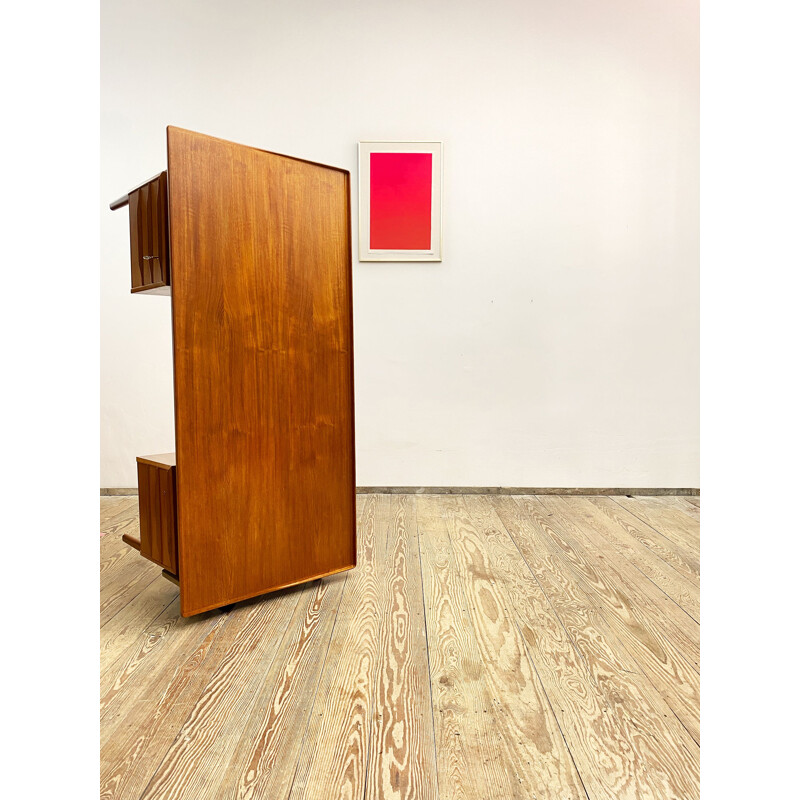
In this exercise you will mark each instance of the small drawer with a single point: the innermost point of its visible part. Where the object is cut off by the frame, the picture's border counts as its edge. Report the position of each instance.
(157, 510)
(149, 222)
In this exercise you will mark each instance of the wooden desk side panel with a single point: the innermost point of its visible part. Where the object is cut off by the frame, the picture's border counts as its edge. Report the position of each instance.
(263, 359)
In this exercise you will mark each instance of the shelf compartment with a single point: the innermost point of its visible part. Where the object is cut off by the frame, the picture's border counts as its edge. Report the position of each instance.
(158, 510)
(148, 211)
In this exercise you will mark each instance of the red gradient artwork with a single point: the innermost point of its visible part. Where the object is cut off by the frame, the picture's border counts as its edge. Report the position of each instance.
(400, 201)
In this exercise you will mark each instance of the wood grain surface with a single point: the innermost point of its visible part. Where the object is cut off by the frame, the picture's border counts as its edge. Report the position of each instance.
(653, 732)
(484, 648)
(119, 506)
(645, 546)
(263, 363)
(272, 738)
(333, 760)
(157, 512)
(654, 603)
(581, 704)
(470, 764)
(694, 502)
(402, 762)
(635, 622)
(536, 753)
(681, 528)
(149, 235)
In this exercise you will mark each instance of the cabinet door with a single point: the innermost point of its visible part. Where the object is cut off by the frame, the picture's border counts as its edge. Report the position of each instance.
(262, 333)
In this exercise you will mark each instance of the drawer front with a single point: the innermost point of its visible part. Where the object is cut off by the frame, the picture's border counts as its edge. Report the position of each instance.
(157, 515)
(149, 221)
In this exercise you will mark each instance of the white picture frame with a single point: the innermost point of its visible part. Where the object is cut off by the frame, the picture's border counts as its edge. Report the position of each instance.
(365, 251)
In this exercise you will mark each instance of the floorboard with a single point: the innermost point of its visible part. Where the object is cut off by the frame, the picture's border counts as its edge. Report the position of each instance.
(486, 647)
(628, 558)
(470, 765)
(614, 758)
(671, 522)
(535, 748)
(626, 602)
(335, 751)
(111, 507)
(401, 756)
(695, 503)
(655, 735)
(652, 552)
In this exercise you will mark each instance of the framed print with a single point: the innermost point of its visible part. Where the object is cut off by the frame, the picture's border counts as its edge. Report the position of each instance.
(400, 201)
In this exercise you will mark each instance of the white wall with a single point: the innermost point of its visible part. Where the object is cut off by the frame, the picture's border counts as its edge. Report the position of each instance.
(557, 343)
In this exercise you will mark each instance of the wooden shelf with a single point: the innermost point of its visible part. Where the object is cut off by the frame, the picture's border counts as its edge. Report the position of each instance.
(163, 460)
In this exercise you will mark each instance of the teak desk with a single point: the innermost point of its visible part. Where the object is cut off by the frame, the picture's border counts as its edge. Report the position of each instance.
(254, 249)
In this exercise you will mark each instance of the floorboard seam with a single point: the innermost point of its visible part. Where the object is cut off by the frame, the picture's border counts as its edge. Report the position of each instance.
(180, 728)
(642, 672)
(373, 698)
(316, 688)
(125, 605)
(660, 588)
(680, 549)
(602, 578)
(144, 629)
(552, 608)
(550, 705)
(645, 522)
(469, 609)
(652, 618)
(513, 618)
(206, 684)
(427, 649)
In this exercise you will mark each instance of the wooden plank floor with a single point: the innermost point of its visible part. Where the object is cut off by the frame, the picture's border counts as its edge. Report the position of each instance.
(485, 647)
